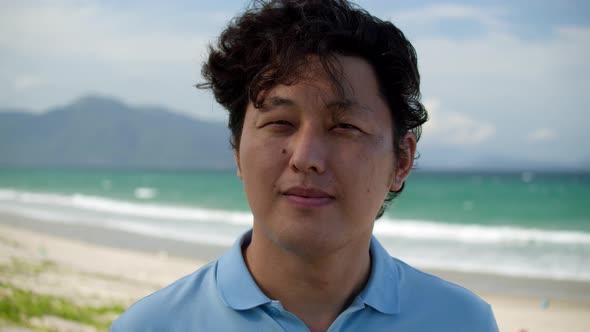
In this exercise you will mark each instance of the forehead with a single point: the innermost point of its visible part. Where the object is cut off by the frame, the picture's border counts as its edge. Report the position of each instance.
(350, 82)
(343, 74)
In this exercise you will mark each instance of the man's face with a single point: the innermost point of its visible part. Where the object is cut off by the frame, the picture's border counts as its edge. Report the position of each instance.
(316, 164)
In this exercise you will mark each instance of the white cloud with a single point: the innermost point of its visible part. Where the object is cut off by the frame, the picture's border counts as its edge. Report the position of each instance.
(499, 54)
(508, 81)
(542, 135)
(85, 30)
(147, 53)
(25, 82)
(448, 11)
(455, 128)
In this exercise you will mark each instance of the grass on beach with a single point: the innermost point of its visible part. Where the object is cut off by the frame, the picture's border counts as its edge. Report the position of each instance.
(44, 312)
(21, 306)
(55, 284)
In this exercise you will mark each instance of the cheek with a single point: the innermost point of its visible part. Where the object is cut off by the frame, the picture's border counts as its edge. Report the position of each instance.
(262, 161)
(374, 170)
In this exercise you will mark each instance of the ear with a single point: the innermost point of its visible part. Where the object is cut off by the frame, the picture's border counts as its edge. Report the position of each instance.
(404, 162)
(237, 159)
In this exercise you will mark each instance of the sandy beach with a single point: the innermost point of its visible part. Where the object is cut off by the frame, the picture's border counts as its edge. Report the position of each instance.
(65, 277)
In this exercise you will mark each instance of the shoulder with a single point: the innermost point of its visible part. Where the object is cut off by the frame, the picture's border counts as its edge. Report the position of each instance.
(422, 285)
(442, 300)
(160, 310)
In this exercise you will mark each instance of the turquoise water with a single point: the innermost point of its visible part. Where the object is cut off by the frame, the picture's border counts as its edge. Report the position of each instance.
(212, 189)
(527, 224)
(547, 201)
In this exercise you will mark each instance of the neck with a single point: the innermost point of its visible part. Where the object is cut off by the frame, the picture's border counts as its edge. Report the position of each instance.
(320, 286)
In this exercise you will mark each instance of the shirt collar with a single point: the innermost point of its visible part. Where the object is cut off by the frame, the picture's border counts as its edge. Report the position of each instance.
(239, 291)
(235, 283)
(382, 290)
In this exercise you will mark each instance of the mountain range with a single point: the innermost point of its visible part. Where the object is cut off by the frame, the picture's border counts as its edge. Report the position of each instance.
(102, 132)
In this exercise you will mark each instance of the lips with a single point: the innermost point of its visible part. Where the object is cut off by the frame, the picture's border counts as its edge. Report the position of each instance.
(308, 197)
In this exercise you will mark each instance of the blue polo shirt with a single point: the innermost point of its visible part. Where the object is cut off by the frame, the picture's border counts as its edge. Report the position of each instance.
(222, 296)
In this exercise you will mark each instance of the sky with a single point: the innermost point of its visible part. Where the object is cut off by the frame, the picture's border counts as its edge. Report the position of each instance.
(506, 83)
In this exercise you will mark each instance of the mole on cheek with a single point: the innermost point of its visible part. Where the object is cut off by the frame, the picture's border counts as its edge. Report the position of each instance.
(284, 151)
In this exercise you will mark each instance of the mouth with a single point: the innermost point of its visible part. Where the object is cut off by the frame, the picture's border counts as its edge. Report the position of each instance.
(308, 197)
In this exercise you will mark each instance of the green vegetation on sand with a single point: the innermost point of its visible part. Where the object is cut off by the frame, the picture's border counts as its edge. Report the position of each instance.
(19, 306)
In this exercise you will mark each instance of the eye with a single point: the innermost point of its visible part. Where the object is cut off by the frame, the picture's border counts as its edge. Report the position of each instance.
(347, 126)
(280, 123)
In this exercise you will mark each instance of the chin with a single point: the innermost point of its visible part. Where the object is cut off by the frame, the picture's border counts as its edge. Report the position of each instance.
(306, 242)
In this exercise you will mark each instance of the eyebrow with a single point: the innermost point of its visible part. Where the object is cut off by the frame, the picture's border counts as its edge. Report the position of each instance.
(340, 105)
(347, 105)
(276, 101)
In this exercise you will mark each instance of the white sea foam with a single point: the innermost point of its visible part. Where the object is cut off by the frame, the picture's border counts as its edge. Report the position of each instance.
(425, 230)
(514, 269)
(145, 193)
(408, 229)
(107, 205)
(504, 250)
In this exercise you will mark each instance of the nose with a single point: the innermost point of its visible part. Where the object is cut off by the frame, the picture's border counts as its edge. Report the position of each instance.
(309, 150)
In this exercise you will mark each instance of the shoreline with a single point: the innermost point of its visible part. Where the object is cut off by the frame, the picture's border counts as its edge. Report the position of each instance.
(105, 267)
(116, 238)
(120, 239)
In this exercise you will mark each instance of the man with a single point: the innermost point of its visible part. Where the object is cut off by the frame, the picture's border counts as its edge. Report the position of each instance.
(325, 115)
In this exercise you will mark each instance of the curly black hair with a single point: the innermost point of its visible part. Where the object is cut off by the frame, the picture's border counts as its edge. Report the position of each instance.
(266, 45)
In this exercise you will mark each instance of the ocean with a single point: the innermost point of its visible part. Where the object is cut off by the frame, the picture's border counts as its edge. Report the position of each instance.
(515, 224)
